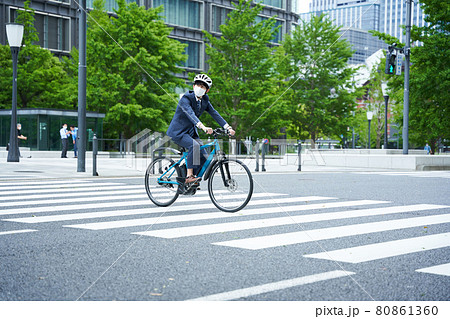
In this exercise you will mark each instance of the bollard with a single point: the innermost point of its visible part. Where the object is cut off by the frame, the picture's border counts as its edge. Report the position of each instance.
(94, 155)
(299, 156)
(257, 155)
(263, 156)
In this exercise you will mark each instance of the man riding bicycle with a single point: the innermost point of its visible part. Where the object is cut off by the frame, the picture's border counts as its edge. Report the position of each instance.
(184, 124)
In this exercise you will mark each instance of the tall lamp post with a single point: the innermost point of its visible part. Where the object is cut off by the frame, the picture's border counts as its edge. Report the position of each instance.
(369, 118)
(386, 101)
(14, 32)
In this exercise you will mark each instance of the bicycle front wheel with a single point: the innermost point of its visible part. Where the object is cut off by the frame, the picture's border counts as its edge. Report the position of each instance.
(230, 186)
(160, 181)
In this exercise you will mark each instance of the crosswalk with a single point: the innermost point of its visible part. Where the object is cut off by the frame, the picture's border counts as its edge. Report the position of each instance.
(418, 174)
(101, 205)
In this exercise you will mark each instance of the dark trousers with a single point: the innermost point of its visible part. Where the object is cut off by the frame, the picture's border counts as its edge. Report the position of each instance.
(196, 157)
(75, 148)
(64, 147)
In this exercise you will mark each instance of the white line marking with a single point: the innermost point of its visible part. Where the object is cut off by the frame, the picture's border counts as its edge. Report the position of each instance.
(141, 195)
(333, 232)
(74, 196)
(68, 186)
(65, 217)
(204, 216)
(443, 269)
(284, 284)
(387, 249)
(77, 207)
(135, 194)
(17, 231)
(44, 183)
(271, 222)
(68, 190)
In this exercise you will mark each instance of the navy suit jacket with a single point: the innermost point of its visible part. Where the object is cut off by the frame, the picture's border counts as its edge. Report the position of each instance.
(187, 116)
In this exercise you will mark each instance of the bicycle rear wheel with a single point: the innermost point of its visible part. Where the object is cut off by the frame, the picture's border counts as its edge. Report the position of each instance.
(230, 186)
(160, 189)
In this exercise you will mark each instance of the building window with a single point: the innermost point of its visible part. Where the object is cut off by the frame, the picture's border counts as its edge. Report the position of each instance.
(193, 53)
(219, 17)
(53, 32)
(278, 36)
(110, 5)
(274, 3)
(180, 12)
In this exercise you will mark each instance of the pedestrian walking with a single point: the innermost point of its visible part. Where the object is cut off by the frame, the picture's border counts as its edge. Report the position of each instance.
(19, 136)
(74, 132)
(64, 132)
(428, 149)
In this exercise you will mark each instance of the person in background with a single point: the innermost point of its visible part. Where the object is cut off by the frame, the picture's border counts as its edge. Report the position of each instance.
(428, 149)
(20, 136)
(74, 132)
(64, 132)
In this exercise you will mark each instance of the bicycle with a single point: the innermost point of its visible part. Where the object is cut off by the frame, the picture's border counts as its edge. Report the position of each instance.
(230, 183)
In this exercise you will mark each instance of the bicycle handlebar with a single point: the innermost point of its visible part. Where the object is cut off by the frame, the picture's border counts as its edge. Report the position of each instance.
(221, 132)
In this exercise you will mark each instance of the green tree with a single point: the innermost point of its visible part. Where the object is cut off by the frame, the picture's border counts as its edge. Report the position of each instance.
(321, 95)
(375, 102)
(41, 79)
(242, 67)
(430, 77)
(429, 113)
(131, 67)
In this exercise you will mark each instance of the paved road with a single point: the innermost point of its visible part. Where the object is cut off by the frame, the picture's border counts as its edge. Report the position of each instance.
(303, 236)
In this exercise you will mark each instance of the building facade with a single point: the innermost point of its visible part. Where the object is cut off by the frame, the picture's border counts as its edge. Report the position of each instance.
(357, 17)
(56, 22)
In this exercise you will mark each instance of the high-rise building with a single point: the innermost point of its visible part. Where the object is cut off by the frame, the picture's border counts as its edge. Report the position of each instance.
(357, 17)
(56, 22)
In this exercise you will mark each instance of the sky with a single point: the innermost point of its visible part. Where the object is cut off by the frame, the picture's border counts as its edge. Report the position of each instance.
(303, 5)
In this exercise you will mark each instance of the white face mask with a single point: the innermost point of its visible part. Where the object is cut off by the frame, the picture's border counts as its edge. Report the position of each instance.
(199, 91)
(65, 127)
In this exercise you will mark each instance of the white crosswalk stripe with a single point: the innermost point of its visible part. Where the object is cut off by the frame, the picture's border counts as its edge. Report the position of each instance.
(42, 183)
(69, 189)
(387, 249)
(270, 222)
(274, 286)
(419, 174)
(68, 196)
(443, 269)
(66, 217)
(77, 207)
(220, 215)
(107, 196)
(20, 231)
(333, 232)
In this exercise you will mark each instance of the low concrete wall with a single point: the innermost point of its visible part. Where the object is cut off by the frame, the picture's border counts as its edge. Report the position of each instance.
(380, 161)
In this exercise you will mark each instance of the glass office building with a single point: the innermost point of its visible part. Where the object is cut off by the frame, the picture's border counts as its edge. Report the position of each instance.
(57, 22)
(41, 126)
(380, 15)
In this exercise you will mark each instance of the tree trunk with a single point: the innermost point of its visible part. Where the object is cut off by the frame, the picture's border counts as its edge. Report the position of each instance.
(313, 139)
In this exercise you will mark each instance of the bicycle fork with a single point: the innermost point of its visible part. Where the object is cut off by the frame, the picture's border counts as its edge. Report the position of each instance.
(227, 177)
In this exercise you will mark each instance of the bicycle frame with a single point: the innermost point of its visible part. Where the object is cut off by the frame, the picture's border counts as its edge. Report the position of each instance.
(171, 170)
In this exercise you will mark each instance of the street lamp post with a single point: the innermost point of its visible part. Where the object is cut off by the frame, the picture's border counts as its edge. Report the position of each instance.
(369, 118)
(386, 101)
(14, 32)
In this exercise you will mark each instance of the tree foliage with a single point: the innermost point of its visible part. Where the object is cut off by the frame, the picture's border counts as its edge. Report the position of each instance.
(430, 77)
(321, 93)
(131, 65)
(429, 113)
(242, 66)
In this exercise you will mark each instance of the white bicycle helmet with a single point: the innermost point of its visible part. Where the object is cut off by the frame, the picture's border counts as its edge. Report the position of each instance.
(205, 79)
